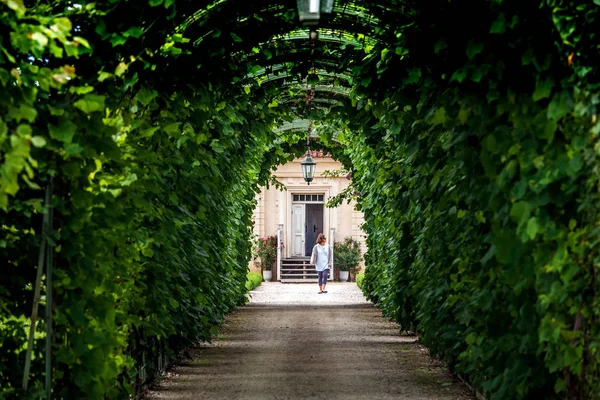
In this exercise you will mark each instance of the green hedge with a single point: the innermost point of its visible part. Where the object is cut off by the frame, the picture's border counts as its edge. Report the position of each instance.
(473, 151)
(154, 182)
(254, 279)
(477, 168)
(359, 279)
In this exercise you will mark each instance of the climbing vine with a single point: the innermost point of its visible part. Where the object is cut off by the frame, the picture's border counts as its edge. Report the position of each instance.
(478, 174)
(154, 185)
(473, 155)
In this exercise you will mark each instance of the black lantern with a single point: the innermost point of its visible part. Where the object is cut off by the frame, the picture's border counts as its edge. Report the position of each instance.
(308, 168)
(310, 10)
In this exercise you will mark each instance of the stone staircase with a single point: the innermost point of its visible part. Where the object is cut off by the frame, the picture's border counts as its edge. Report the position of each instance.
(298, 270)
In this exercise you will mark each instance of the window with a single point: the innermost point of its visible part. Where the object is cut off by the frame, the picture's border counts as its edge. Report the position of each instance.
(309, 198)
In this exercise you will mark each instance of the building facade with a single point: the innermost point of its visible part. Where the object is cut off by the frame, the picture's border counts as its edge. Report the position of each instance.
(299, 212)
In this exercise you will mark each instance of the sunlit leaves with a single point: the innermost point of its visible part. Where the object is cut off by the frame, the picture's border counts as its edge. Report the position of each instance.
(90, 103)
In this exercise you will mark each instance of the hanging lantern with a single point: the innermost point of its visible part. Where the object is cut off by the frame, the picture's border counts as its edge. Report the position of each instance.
(310, 10)
(308, 168)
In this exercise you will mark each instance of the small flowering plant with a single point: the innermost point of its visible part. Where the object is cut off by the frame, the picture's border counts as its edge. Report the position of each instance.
(266, 251)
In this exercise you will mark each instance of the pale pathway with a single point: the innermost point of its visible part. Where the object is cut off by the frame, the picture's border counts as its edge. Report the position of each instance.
(292, 343)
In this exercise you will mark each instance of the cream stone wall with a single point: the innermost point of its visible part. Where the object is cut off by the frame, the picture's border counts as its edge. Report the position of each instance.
(275, 207)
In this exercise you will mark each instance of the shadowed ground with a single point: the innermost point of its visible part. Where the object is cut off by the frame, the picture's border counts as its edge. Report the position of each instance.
(290, 343)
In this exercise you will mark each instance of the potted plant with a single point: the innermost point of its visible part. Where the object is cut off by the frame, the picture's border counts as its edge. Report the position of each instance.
(267, 253)
(346, 256)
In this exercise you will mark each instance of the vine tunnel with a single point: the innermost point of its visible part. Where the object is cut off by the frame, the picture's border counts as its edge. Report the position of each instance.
(470, 128)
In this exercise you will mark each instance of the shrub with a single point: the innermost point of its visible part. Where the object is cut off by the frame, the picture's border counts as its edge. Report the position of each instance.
(347, 254)
(267, 252)
(359, 279)
(254, 279)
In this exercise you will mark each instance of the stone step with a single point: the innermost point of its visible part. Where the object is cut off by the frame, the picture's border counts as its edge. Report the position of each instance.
(292, 262)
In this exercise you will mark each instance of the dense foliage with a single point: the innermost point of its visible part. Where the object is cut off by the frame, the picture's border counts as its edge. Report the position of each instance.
(253, 280)
(470, 129)
(154, 188)
(360, 277)
(478, 171)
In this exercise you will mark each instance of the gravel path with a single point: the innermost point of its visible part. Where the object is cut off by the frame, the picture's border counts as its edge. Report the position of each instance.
(292, 343)
(271, 293)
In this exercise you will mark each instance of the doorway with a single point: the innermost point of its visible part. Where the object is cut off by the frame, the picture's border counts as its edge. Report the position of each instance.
(314, 225)
(307, 222)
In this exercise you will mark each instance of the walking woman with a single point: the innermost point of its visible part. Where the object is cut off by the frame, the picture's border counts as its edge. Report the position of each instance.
(321, 257)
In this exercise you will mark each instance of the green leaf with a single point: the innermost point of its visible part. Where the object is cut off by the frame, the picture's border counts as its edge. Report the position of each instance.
(560, 105)
(82, 41)
(172, 128)
(38, 141)
(439, 117)
(520, 211)
(81, 89)
(121, 68)
(549, 130)
(117, 40)
(134, 32)
(532, 227)
(414, 76)
(63, 132)
(102, 76)
(17, 6)
(499, 26)
(474, 48)
(24, 130)
(440, 45)
(145, 96)
(236, 38)
(63, 25)
(149, 132)
(30, 184)
(459, 75)
(90, 103)
(384, 53)
(543, 89)
(24, 112)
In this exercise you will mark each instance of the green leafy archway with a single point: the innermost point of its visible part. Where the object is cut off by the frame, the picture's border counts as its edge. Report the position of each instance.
(471, 129)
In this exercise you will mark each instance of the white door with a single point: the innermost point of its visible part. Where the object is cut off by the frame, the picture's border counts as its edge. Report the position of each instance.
(298, 222)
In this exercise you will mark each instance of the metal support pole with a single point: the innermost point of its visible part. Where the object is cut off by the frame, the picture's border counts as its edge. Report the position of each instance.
(36, 293)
